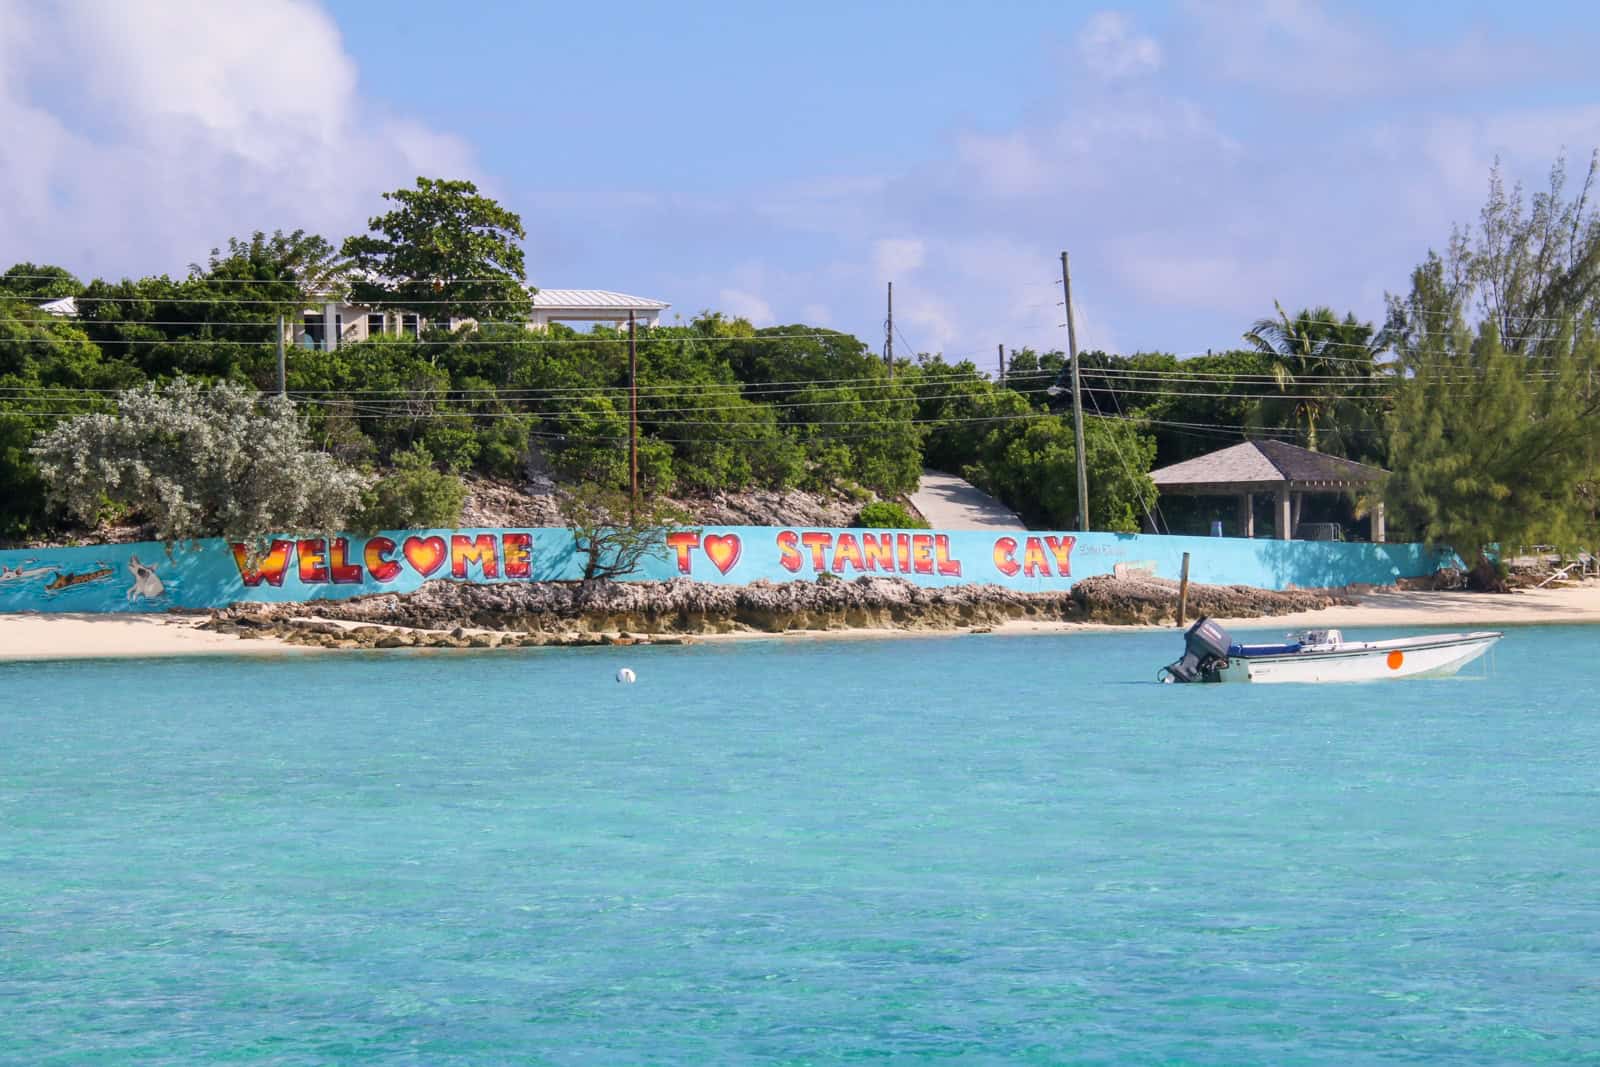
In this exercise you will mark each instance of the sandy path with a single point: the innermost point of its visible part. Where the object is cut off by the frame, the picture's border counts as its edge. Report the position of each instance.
(951, 503)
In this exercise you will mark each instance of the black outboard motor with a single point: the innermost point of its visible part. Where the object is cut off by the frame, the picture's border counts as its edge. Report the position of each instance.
(1205, 652)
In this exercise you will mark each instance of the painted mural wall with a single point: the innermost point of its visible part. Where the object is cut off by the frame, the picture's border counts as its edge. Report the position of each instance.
(213, 573)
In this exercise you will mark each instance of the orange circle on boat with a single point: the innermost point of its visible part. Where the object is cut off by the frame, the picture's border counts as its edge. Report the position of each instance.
(1395, 659)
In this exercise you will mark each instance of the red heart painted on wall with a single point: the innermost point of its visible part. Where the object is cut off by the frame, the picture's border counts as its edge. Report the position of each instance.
(425, 553)
(722, 550)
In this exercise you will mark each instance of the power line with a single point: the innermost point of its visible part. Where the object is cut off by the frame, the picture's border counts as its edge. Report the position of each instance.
(490, 393)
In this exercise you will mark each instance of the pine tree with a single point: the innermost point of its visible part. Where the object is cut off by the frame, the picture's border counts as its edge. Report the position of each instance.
(1491, 448)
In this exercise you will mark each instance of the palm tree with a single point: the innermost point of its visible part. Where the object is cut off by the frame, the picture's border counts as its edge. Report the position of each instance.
(1326, 370)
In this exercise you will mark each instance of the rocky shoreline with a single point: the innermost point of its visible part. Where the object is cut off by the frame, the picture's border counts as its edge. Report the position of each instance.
(445, 614)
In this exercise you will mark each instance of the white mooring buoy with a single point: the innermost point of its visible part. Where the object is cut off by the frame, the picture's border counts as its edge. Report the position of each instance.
(625, 676)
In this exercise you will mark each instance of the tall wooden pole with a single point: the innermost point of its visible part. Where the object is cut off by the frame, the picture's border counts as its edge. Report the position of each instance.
(1077, 399)
(633, 412)
(1183, 592)
(888, 334)
(1001, 351)
(283, 384)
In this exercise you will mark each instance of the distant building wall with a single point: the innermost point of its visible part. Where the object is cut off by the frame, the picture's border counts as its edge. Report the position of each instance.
(214, 573)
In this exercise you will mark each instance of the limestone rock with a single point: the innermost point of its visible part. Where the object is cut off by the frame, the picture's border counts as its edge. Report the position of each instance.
(1134, 600)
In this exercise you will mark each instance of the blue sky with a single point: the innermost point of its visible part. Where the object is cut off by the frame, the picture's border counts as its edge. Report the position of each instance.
(1199, 159)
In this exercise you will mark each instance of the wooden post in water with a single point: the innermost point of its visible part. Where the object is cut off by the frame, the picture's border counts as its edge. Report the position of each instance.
(1183, 592)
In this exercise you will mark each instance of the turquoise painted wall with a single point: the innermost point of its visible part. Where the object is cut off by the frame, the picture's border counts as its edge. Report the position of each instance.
(213, 573)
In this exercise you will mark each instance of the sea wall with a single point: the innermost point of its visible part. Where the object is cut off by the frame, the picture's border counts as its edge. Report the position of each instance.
(214, 573)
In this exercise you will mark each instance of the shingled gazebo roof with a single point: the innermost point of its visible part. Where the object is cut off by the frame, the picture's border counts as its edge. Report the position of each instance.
(1261, 465)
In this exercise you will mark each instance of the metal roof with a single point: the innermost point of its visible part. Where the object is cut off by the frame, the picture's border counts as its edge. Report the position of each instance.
(1262, 463)
(561, 299)
(66, 305)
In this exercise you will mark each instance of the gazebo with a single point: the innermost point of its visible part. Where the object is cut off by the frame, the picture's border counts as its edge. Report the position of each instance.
(1268, 466)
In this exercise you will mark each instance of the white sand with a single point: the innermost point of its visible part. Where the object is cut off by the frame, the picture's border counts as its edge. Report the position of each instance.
(93, 636)
(1393, 608)
(27, 637)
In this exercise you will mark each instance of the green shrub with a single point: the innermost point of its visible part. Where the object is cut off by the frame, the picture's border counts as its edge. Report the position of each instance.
(415, 496)
(887, 515)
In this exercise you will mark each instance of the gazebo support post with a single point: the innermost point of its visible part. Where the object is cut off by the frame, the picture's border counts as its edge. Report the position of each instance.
(1247, 515)
(1294, 512)
(1378, 532)
(1281, 514)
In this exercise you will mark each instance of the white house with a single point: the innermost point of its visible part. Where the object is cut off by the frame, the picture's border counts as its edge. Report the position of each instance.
(354, 322)
(347, 323)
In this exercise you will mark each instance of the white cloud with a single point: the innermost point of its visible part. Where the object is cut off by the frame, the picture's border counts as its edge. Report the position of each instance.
(141, 135)
(1109, 47)
(745, 305)
(1006, 164)
(816, 315)
(1302, 48)
(896, 256)
(926, 322)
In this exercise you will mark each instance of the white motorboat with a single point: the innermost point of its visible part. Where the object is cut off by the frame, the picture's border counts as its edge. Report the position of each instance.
(1210, 655)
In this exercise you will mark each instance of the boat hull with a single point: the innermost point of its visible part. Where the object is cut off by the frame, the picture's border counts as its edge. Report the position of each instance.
(1367, 661)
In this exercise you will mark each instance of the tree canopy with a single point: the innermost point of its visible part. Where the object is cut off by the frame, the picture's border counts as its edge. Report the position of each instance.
(197, 461)
(1466, 416)
(444, 251)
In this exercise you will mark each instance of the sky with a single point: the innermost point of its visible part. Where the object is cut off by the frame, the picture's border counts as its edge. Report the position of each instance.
(1199, 160)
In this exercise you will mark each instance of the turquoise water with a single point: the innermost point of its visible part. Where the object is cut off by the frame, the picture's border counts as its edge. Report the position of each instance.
(971, 849)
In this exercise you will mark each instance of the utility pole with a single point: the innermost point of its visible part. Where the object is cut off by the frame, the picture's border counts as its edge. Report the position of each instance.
(1077, 399)
(1001, 349)
(888, 335)
(633, 415)
(283, 385)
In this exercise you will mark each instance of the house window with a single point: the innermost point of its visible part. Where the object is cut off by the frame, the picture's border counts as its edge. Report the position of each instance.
(375, 325)
(409, 324)
(311, 331)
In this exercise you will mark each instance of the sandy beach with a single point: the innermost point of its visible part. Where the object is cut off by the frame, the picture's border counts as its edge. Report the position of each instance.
(33, 637)
(41, 637)
(1392, 608)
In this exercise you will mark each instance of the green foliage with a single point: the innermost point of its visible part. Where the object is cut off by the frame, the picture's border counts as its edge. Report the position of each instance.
(415, 495)
(1032, 468)
(963, 409)
(1494, 436)
(22, 491)
(887, 515)
(283, 272)
(446, 251)
(1530, 262)
(1323, 368)
(1483, 452)
(38, 282)
(1028, 371)
(196, 461)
